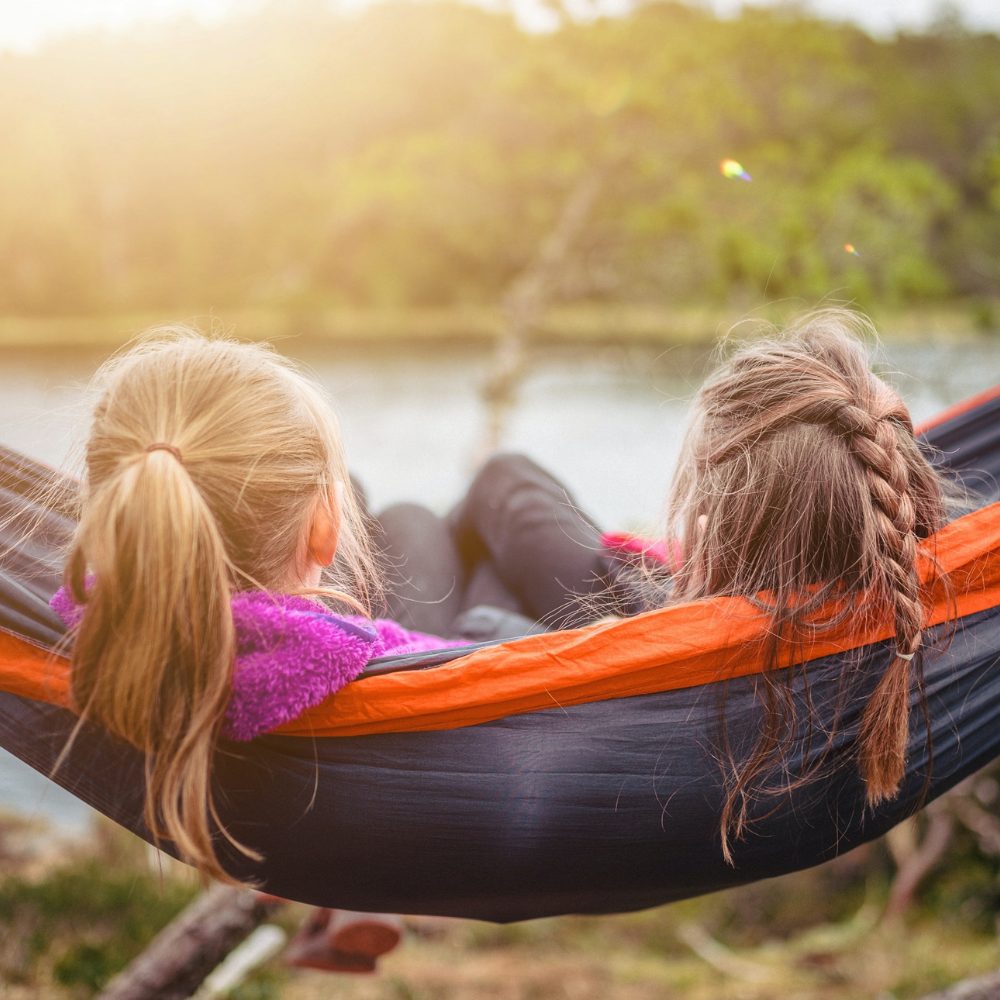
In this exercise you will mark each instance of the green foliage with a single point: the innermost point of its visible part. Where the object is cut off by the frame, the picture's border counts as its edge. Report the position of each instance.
(84, 921)
(416, 155)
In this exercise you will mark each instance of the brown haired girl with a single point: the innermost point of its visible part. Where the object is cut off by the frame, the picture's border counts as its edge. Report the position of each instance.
(214, 499)
(800, 488)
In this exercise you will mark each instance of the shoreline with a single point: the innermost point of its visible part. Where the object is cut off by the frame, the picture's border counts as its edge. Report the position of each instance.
(570, 324)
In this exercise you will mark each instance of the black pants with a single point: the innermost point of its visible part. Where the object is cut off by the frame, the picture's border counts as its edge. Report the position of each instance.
(517, 541)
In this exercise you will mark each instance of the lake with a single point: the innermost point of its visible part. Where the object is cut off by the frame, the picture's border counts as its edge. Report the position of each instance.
(607, 420)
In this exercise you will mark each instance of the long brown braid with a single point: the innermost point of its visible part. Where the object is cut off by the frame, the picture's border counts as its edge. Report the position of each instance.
(801, 488)
(875, 442)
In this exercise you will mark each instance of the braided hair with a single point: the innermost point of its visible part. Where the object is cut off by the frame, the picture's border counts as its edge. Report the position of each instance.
(802, 489)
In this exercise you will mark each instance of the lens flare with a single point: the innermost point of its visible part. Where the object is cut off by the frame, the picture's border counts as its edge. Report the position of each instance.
(733, 170)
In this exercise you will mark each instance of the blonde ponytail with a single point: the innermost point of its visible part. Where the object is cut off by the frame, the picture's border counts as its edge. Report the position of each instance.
(153, 655)
(204, 462)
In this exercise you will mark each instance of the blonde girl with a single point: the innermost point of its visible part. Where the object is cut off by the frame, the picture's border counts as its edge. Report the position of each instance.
(214, 500)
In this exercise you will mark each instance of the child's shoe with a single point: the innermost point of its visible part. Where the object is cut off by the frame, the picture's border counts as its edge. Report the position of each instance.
(343, 941)
(364, 934)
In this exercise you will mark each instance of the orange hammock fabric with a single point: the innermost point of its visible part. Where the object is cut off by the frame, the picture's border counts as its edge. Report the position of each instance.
(700, 642)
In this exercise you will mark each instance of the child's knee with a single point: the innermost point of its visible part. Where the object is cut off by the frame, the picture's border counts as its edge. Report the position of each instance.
(503, 474)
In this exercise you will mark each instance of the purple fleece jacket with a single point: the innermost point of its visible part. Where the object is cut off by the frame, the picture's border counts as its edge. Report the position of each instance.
(291, 654)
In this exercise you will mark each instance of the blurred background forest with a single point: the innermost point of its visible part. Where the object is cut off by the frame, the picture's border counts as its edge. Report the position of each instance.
(414, 156)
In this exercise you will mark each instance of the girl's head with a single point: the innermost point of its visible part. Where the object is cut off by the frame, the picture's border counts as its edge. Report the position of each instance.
(801, 485)
(211, 466)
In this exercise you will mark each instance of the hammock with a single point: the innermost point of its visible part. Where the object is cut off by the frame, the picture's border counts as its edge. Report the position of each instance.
(571, 772)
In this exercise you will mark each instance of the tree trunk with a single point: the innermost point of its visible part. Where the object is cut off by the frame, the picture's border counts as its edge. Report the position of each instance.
(180, 957)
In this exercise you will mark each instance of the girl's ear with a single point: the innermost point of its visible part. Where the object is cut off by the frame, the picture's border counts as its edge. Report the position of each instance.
(324, 530)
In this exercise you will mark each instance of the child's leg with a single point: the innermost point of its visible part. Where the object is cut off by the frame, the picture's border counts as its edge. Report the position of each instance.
(485, 588)
(543, 548)
(423, 570)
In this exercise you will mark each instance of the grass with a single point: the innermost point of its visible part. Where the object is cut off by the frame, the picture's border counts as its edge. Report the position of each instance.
(67, 928)
(646, 957)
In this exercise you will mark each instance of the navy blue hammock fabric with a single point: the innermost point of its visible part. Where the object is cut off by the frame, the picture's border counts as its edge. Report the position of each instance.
(602, 807)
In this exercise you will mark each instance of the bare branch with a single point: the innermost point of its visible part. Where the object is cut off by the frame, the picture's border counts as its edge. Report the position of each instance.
(180, 957)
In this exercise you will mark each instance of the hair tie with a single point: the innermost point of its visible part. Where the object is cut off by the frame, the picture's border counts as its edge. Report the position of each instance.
(163, 446)
(905, 656)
